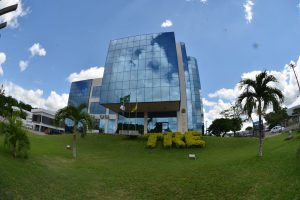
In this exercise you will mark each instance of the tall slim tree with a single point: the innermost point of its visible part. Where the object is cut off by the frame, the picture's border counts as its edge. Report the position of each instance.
(257, 96)
(79, 117)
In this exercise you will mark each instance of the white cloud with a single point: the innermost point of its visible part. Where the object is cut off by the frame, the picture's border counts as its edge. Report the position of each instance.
(248, 10)
(208, 103)
(226, 96)
(298, 6)
(12, 17)
(167, 23)
(23, 65)
(35, 97)
(37, 49)
(2, 60)
(203, 1)
(91, 73)
(213, 110)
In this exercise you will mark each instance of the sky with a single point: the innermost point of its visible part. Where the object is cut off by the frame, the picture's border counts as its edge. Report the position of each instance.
(48, 44)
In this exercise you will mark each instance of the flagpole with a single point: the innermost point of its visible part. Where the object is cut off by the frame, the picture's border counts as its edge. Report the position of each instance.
(129, 115)
(123, 119)
(135, 114)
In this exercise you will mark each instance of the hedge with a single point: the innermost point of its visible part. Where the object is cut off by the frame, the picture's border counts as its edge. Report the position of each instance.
(168, 140)
(178, 140)
(193, 139)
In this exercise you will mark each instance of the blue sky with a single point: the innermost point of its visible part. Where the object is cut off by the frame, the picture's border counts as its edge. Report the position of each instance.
(231, 39)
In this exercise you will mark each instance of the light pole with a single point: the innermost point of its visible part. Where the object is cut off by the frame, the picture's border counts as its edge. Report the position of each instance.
(293, 67)
(5, 10)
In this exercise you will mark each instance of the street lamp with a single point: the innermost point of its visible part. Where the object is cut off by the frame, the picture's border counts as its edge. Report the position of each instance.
(293, 67)
(3, 25)
(5, 10)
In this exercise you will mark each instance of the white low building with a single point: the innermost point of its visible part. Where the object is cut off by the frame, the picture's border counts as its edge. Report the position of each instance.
(43, 121)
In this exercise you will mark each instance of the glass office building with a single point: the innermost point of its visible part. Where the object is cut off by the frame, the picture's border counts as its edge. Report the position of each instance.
(160, 79)
(80, 92)
(143, 66)
(197, 117)
(88, 92)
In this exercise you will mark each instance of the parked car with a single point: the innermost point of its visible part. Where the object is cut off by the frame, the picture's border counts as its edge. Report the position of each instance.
(277, 129)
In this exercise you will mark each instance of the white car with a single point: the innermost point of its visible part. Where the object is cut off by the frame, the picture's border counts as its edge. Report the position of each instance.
(277, 129)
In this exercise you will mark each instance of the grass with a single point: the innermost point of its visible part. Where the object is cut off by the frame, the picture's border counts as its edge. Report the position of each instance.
(111, 167)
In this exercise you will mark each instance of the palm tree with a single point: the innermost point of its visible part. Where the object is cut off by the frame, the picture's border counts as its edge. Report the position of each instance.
(16, 138)
(257, 96)
(79, 117)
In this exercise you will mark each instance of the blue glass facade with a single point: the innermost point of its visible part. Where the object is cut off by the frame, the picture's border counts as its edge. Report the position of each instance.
(80, 92)
(96, 91)
(196, 99)
(143, 66)
(96, 108)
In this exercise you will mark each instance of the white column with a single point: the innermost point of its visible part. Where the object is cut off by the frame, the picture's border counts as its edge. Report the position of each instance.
(182, 112)
(145, 122)
(106, 121)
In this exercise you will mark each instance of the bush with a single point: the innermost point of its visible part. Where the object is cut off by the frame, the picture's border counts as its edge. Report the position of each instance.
(15, 139)
(168, 140)
(193, 139)
(178, 140)
(152, 139)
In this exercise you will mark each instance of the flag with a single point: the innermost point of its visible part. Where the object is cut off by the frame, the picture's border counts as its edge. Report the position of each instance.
(125, 99)
(122, 107)
(135, 108)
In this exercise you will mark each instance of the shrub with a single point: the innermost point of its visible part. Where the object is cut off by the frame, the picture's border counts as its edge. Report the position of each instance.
(193, 139)
(152, 139)
(168, 140)
(15, 139)
(178, 140)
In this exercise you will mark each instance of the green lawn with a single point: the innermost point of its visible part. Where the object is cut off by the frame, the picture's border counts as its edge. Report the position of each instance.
(112, 167)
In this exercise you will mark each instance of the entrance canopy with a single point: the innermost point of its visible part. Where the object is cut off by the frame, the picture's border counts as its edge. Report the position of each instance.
(145, 107)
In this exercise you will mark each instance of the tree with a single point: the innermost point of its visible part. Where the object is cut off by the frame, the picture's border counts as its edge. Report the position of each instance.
(235, 125)
(2, 100)
(276, 117)
(81, 120)
(235, 111)
(220, 126)
(249, 128)
(16, 138)
(296, 111)
(234, 114)
(257, 96)
(25, 106)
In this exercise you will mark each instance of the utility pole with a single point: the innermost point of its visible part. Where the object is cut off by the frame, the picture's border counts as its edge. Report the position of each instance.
(293, 67)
